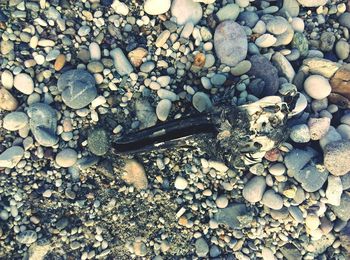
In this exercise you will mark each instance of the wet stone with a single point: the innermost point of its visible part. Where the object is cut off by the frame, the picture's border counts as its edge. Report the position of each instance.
(77, 87)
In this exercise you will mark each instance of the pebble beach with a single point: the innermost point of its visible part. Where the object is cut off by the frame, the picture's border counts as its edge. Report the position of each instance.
(76, 76)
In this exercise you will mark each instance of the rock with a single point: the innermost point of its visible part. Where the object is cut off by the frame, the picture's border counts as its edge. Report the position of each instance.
(285, 38)
(95, 51)
(162, 38)
(15, 121)
(27, 237)
(342, 211)
(221, 202)
(98, 141)
(260, 27)
(202, 248)
(241, 68)
(312, 222)
(248, 18)
(331, 136)
(7, 101)
(134, 174)
(120, 7)
(296, 159)
(254, 189)
(291, 6)
(7, 79)
(311, 178)
(291, 252)
(43, 124)
(284, 66)
(300, 133)
(11, 157)
(277, 169)
(265, 41)
(342, 49)
(234, 216)
(156, 7)
(327, 41)
(260, 65)
(6, 47)
(147, 67)
(167, 94)
(140, 248)
(344, 19)
(24, 83)
(323, 67)
(77, 87)
(66, 158)
(334, 190)
(267, 254)
(317, 87)
(277, 25)
(272, 200)
(145, 113)
(121, 63)
(319, 246)
(230, 43)
(163, 109)
(344, 131)
(180, 183)
(136, 56)
(201, 101)
(340, 82)
(336, 157)
(214, 251)
(318, 127)
(312, 3)
(301, 43)
(95, 67)
(228, 12)
(39, 250)
(186, 11)
(59, 62)
(298, 25)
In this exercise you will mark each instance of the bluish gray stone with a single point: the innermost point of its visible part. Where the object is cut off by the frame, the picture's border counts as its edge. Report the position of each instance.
(297, 159)
(234, 216)
(43, 124)
(248, 18)
(27, 237)
(77, 87)
(98, 141)
(311, 178)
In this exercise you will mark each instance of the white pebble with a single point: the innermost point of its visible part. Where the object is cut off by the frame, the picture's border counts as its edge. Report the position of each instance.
(24, 83)
(317, 87)
(180, 183)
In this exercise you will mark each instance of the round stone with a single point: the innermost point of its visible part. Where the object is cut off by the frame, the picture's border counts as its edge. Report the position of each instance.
(98, 141)
(186, 11)
(95, 51)
(344, 19)
(272, 200)
(77, 87)
(201, 101)
(277, 25)
(7, 79)
(202, 248)
(66, 158)
(312, 221)
(24, 83)
(342, 49)
(254, 189)
(300, 133)
(15, 121)
(317, 87)
(230, 43)
(180, 183)
(318, 127)
(163, 109)
(336, 157)
(156, 7)
(221, 202)
(228, 12)
(277, 169)
(266, 40)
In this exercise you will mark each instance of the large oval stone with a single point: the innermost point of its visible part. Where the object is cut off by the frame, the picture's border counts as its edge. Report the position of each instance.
(230, 41)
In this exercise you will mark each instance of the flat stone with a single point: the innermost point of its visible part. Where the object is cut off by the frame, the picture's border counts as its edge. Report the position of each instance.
(296, 159)
(156, 7)
(265, 41)
(311, 178)
(186, 11)
(15, 121)
(77, 87)
(320, 66)
(277, 169)
(201, 101)
(312, 3)
(340, 82)
(284, 66)
(43, 124)
(272, 200)
(145, 113)
(202, 248)
(66, 158)
(121, 63)
(163, 109)
(24, 83)
(286, 37)
(254, 189)
(134, 174)
(336, 157)
(233, 216)
(98, 141)
(334, 190)
(228, 12)
(11, 157)
(230, 43)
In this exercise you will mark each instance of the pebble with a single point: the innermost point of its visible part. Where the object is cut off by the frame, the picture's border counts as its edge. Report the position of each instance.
(331, 136)
(145, 113)
(221, 202)
(317, 87)
(180, 183)
(298, 25)
(201, 102)
(344, 19)
(11, 157)
(260, 27)
(147, 67)
(312, 3)
(140, 248)
(272, 200)
(24, 83)
(135, 174)
(7, 79)
(167, 94)
(121, 63)
(27, 237)
(312, 222)
(283, 66)
(137, 55)
(248, 18)
(254, 189)
(230, 42)
(7, 101)
(163, 109)
(60, 62)
(228, 12)
(15, 121)
(291, 6)
(95, 51)
(334, 190)
(162, 38)
(186, 11)
(267, 254)
(202, 248)
(120, 7)
(300, 133)
(156, 7)
(66, 158)
(277, 169)
(98, 141)
(277, 25)
(336, 157)
(311, 178)
(318, 127)
(43, 124)
(320, 66)
(77, 87)
(342, 211)
(265, 41)
(342, 49)
(6, 47)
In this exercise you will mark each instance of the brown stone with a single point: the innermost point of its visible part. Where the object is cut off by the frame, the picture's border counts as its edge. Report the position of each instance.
(199, 60)
(60, 61)
(7, 101)
(135, 174)
(339, 100)
(136, 56)
(340, 82)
